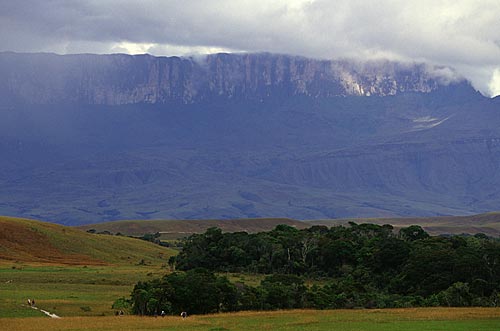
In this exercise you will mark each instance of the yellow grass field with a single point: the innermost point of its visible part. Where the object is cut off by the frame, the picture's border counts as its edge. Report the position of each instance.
(422, 319)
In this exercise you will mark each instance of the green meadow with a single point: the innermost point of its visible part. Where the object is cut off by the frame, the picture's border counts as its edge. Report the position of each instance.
(78, 276)
(70, 272)
(83, 295)
(68, 290)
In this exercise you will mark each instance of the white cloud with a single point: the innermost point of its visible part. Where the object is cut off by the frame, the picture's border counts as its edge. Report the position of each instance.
(131, 48)
(495, 83)
(459, 33)
(166, 49)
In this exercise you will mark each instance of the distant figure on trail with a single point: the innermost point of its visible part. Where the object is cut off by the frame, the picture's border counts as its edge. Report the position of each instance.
(29, 302)
(121, 312)
(162, 313)
(33, 302)
(184, 314)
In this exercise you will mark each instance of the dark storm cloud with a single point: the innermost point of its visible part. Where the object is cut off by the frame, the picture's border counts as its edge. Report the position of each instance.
(461, 33)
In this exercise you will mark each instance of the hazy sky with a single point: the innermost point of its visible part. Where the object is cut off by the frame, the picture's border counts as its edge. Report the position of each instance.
(464, 34)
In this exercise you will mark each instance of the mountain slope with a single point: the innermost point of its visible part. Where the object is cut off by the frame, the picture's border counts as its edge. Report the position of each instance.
(80, 142)
(33, 241)
(339, 158)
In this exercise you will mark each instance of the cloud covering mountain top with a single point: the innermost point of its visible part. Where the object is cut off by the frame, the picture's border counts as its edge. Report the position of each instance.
(462, 33)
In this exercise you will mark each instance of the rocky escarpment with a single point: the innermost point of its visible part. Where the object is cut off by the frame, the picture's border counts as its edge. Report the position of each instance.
(123, 79)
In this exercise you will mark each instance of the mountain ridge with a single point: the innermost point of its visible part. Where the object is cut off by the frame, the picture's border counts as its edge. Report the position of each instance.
(119, 79)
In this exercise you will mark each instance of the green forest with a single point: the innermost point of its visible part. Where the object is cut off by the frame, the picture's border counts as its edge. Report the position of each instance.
(360, 265)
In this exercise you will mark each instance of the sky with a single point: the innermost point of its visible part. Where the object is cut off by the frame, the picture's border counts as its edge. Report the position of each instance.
(463, 34)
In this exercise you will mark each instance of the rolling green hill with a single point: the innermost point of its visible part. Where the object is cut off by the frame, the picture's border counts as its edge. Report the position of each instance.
(23, 240)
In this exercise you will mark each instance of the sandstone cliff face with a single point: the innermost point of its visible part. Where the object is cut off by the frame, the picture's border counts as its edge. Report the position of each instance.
(123, 79)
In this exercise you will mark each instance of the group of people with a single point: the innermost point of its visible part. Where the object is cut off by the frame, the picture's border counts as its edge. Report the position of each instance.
(31, 302)
(183, 314)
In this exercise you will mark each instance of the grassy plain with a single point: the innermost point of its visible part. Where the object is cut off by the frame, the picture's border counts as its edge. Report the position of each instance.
(83, 295)
(70, 272)
(183, 228)
(424, 319)
(78, 276)
(69, 290)
(488, 223)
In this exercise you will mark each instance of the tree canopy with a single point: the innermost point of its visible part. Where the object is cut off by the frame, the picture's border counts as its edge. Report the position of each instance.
(362, 265)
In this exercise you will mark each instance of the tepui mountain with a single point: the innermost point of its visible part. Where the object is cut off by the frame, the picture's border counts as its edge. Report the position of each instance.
(89, 138)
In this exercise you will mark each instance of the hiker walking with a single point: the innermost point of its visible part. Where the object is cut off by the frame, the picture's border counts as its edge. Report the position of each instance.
(184, 314)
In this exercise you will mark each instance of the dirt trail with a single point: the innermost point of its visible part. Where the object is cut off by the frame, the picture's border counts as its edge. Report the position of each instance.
(45, 312)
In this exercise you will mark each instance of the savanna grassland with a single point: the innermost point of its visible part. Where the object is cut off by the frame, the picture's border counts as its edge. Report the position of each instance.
(30, 241)
(78, 276)
(176, 229)
(422, 319)
(488, 223)
(70, 272)
(68, 290)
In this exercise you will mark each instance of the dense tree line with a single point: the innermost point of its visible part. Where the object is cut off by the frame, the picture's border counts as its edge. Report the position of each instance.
(407, 262)
(199, 291)
(358, 266)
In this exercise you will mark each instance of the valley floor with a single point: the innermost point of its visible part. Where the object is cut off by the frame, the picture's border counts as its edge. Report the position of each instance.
(83, 296)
